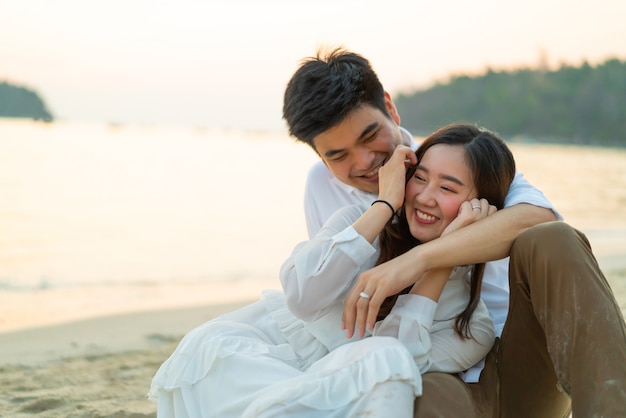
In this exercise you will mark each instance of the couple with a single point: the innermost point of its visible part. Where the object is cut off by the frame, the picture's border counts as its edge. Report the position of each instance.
(561, 334)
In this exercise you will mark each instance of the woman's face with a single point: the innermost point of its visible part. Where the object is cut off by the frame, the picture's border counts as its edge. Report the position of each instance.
(442, 181)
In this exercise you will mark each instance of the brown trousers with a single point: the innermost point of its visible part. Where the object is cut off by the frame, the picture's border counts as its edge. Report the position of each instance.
(563, 346)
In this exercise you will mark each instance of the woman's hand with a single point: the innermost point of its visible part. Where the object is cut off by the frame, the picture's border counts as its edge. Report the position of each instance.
(377, 283)
(392, 183)
(470, 212)
(392, 176)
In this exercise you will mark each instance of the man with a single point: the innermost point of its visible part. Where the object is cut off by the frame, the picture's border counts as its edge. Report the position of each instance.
(560, 311)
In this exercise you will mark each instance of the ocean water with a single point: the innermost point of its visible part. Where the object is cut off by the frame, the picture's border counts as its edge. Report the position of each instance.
(88, 204)
(95, 204)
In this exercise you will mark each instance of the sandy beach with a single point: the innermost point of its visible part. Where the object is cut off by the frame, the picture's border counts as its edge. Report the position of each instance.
(97, 367)
(102, 367)
(92, 351)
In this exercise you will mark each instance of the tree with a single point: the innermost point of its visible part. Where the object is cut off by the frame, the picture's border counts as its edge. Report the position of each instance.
(21, 102)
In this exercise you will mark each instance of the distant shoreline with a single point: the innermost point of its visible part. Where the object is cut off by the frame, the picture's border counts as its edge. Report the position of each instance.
(22, 102)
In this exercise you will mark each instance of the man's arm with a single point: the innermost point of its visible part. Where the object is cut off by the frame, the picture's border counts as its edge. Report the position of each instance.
(486, 240)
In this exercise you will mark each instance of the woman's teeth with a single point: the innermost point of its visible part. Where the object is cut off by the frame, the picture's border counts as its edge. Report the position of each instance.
(425, 216)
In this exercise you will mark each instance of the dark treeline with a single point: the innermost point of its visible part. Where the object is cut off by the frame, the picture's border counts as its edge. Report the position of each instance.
(572, 105)
(20, 102)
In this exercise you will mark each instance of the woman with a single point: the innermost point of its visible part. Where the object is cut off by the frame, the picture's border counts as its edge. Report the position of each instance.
(287, 355)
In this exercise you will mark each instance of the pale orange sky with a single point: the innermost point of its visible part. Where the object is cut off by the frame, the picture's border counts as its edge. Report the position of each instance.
(225, 63)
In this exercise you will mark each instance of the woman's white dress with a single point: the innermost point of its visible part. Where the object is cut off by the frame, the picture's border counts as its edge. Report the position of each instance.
(264, 361)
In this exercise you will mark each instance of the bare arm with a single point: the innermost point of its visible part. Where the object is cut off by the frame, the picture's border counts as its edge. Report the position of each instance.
(392, 186)
(485, 240)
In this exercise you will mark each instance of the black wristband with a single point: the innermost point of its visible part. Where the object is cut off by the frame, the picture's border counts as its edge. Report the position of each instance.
(393, 212)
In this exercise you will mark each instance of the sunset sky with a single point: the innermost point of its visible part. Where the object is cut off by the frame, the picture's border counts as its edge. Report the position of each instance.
(225, 63)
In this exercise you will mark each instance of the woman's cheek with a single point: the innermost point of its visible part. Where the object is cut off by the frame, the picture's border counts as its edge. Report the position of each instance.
(450, 210)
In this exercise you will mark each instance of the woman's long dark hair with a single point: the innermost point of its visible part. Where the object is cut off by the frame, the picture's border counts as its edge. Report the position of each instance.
(493, 168)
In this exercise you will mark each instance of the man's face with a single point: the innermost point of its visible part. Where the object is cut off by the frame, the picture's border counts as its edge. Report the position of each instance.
(357, 147)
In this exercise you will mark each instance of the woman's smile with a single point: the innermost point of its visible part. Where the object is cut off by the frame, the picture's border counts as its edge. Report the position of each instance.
(424, 217)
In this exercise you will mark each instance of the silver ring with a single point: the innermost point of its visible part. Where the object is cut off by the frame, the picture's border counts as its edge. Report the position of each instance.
(364, 295)
(475, 207)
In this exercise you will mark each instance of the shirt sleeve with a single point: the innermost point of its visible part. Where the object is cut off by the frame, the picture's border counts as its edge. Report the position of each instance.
(410, 322)
(315, 190)
(321, 271)
(437, 348)
(453, 354)
(521, 191)
(324, 195)
(311, 214)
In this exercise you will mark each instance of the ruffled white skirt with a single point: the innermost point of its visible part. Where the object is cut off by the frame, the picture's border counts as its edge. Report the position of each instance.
(260, 361)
